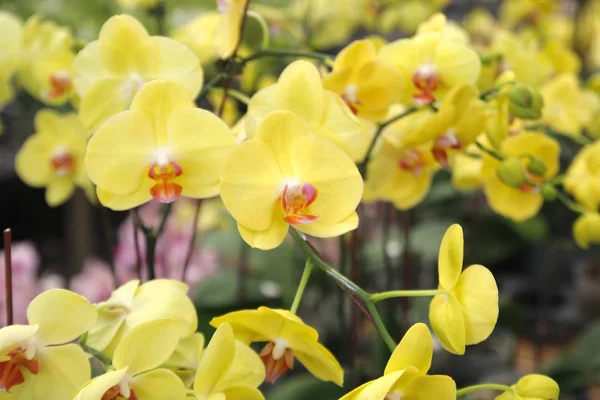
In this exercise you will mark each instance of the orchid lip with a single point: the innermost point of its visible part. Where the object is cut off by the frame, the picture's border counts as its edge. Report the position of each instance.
(295, 199)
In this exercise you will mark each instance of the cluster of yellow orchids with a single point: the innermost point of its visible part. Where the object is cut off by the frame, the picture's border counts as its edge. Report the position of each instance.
(482, 101)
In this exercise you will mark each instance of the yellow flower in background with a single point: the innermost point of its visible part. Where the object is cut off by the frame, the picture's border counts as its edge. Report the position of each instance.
(10, 39)
(466, 169)
(432, 65)
(186, 358)
(405, 374)
(582, 179)
(300, 90)
(199, 35)
(408, 14)
(139, 3)
(162, 148)
(229, 369)
(466, 311)
(368, 86)
(136, 360)
(481, 25)
(47, 56)
(111, 70)
(563, 58)
(448, 29)
(513, 12)
(586, 230)
(525, 200)
(133, 304)
(288, 338)
(296, 179)
(231, 14)
(457, 124)
(567, 107)
(36, 360)
(53, 156)
(397, 172)
(532, 387)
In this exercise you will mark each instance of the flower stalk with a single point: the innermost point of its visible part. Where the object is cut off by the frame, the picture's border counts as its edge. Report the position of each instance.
(483, 386)
(151, 236)
(8, 275)
(302, 286)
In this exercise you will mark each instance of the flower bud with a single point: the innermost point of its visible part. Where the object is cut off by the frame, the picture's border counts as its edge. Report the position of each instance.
(512, 172)
(548, 192)
(525, 103)
(536, 166)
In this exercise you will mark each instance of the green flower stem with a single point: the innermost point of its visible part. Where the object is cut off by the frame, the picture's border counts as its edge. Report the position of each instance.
(361, 297)
(107, 362)
(489, 151)
(239, 96)
(151, 235)
(483, 386)
(571, 205)
(375, 297)
(494, 91)
(302, 286)
(362, 167)
(326, 58)
(209, 85)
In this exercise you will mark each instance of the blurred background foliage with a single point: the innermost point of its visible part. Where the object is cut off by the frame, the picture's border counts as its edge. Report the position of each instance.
(550, 290)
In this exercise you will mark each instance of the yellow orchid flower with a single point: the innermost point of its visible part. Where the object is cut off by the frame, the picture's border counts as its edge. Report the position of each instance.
(199, 35)
(10, 39)
(36, 361)
(480, 24)
(512, 12)
(136, 360)
(185, 358)
(532, 387)
(231, 14)
(300, 90)
(299, 180)
(449, 30)
(522, 202)
(405, 374)
(466, 311)
(459, 121)
(162, 148)
(133, 304)
(288, 338)
(111, 70)
(368, 86)
(397, 172)
(53, 156)
(432, 65)
(228, 369)
(46, 61)
(583, 177)
(567, 108)
(586, 230)
(466, 169)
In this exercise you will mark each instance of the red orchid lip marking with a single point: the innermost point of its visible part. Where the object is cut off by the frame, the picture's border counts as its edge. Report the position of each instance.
(427, 83)
(294, 201)
(412, 161)
(165, 190)
(60, 83)
(276, 368)
(63, 163)
(10, 371)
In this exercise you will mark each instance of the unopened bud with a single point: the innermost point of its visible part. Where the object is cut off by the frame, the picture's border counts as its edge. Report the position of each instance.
(512, 172)
(525, 103)
(536, 166)
(548, 192)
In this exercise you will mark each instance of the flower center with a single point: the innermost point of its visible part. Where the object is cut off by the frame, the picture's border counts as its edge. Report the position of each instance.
(395, 395)
(442, 144)
(412, 161)
(163, 172)
(426, 81)
(62, 161)
(295, 199)
(60, 83)
(529, 187)
(350, 98)
(10, 371)
(119, 392)
(278, 359)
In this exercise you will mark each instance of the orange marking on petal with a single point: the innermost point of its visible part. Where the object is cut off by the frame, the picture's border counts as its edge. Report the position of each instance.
(350, 104)
(63, 163)
(274, 369)
(165, 190)
(10, 371)
(294, 201)
(60, 83)
(427, 83)
(412, 161)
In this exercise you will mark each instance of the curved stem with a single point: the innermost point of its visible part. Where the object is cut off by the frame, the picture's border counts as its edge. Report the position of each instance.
(359, 295)
(404, 293)
(302, 286)
(326, 58)
(107, 362)
(489, 151)
(151, 235)
(209, 85)
(571, 205)
(193, 235)
(362, 167)
(8, 276)
(483, 386)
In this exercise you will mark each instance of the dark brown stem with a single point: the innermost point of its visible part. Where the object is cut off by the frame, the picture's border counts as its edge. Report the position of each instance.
(8, 275)
(138, 256)
(193, 238)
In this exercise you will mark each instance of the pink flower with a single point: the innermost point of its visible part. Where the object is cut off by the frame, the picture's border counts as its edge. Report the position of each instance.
(95, 282)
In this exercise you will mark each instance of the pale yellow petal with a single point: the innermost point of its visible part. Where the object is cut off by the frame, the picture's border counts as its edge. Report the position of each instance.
(59, 190)
(438, 387)
(46, 311)
(450, 260)
(105, 98)
(320, 362)
(457, 63)
(243, 393)
(13, 335)
(97, 387)
(247, 369)
(251, 184)
(342, 128)
(510, 202)
(88, 67)
(538, 386)
(120, 202)
(447, 321)
(159, 384)
(374, 390)
(415, 349)
(217, 359)
(319, 229)
(300, 90)
(32, 162)
(266, 239)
